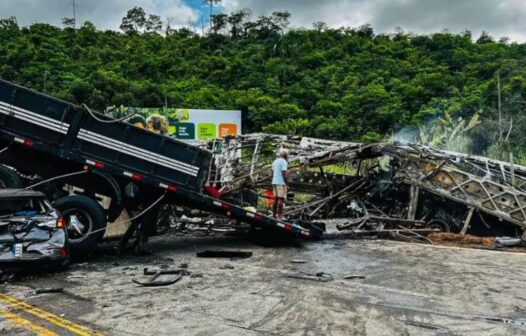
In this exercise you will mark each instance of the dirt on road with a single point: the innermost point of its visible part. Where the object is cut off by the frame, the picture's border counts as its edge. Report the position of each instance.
(407, 289)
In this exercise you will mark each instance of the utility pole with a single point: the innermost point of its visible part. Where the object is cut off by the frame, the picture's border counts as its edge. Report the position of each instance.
(211, 4)
(211, 7)
(74, 13)
(499, 104)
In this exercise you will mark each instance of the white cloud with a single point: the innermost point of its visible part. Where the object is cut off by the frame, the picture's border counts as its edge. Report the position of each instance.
(105, 14)
(498, 17)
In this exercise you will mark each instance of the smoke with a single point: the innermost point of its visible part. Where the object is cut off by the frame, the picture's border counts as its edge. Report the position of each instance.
(406, 136)
(452, 134)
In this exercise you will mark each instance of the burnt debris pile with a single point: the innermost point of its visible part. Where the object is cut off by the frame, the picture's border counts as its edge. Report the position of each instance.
(404, 190)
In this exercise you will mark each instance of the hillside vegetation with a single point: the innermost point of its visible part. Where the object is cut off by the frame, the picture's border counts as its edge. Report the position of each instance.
(346, 84)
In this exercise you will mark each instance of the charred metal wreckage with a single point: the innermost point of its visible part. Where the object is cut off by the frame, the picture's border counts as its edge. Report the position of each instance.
(376, 187)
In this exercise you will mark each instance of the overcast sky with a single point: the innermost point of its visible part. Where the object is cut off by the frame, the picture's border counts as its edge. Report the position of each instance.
(499, 17)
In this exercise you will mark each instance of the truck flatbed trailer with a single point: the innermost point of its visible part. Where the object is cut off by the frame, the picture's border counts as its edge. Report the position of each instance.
(44, 137)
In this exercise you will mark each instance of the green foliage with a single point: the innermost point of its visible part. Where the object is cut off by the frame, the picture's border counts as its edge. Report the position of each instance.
(298, 127)
(347, 83)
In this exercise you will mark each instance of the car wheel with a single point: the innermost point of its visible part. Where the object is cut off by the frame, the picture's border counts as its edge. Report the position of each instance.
(9, 178)
(86, 222)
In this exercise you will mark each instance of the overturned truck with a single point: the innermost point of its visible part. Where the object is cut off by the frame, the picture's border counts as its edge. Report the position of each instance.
(378, 187)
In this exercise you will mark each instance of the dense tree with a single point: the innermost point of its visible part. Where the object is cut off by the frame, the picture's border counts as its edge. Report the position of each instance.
(346, 83)
(154, 24)
(68, 22)
(219, 22)
(236, 20)
(134, 21)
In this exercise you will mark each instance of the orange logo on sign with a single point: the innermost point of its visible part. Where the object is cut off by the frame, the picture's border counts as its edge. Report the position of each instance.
(227, 129)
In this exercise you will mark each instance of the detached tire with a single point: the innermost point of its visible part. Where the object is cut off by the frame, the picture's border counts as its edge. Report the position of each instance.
(9, 178)
(85, 220)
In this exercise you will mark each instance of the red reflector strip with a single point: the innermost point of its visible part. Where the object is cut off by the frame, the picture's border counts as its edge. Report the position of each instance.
(222, 205)
(97, 164)
(253, 215)
(25, 142)
(167, 186)
(290, 227)
(133, 176)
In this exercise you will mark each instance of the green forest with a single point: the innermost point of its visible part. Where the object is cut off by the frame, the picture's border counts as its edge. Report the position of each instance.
(346, 84)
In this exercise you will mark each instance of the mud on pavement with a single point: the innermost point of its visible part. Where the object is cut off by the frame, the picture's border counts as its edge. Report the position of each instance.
(402, 289)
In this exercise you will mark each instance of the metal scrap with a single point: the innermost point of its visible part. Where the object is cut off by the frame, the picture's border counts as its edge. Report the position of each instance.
(49, 290)
(407, 190)
(320, 276)
(354, 276)
(224, 254)
(153, 282)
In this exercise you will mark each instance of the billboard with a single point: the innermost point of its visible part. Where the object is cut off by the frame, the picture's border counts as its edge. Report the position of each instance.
(193, 124)
(190, 124)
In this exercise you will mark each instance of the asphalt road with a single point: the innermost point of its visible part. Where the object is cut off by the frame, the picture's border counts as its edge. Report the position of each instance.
(408, 289)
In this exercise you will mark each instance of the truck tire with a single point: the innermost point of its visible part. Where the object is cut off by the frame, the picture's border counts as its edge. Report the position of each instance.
(85, 220)
(438, 224)
(9, 178)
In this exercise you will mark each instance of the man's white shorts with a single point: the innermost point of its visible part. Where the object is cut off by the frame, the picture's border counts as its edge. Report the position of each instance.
(280, 190)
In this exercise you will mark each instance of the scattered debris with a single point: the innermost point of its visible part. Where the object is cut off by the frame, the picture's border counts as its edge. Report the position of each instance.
(153, 282)
(508, 241)
(49, 290)
(298, 261)
(320, 276)
(353, 276)
(224, 254)
(76, 276)
(227, 266)
(459, 240)
(7, 277)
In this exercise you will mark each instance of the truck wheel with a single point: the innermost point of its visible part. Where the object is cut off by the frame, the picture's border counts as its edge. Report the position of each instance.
(438, 224)
(9, 178)
(85, 220)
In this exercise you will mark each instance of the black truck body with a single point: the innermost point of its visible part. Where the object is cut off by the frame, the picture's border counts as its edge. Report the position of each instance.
(45, 136)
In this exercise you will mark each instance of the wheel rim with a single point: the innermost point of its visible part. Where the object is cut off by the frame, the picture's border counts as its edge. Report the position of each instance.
(79, 224)
(439, 225)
